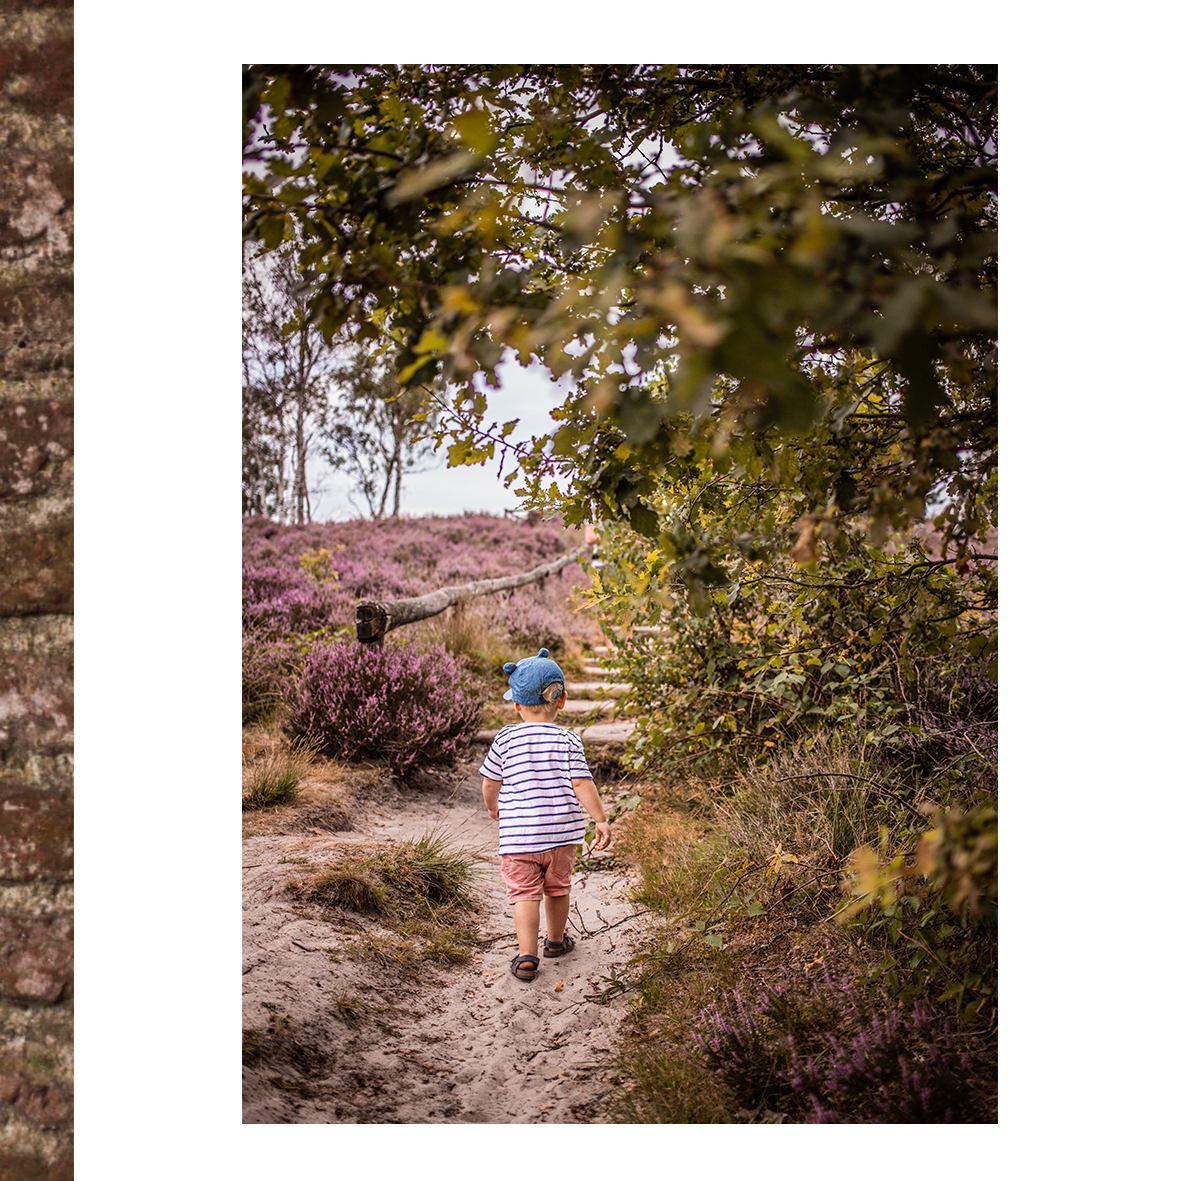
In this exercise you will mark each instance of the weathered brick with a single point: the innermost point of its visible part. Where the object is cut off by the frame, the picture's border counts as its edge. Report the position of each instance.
(36, 322)
(33, 208)
(32, 1091)
(38, 565)
(20, 1166)
(36, 589)
(35, 438)
(36, 835)
(40, 76)
(36, 703)
(37, 635)
(36, 957)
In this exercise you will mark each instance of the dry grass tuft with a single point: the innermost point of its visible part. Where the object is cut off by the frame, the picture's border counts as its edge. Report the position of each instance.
(419, 892)
(273, 777)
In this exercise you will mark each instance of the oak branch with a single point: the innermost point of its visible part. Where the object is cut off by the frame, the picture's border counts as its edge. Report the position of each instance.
(375, 618)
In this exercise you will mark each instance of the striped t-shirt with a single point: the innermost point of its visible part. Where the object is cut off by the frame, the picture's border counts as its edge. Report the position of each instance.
(535, 763)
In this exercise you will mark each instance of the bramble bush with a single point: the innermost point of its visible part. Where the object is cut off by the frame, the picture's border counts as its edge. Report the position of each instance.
(405, 707)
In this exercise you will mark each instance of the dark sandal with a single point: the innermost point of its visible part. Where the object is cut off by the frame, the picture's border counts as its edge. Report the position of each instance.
(525, 967)
(552, 949)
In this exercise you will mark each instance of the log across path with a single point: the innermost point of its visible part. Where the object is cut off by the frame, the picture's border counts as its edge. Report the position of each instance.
(375, 617)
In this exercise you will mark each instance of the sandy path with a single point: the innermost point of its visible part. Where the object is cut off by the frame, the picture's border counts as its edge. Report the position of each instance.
(478, 1045)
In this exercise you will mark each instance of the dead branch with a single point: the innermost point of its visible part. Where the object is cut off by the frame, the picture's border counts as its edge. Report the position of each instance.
(375, 618)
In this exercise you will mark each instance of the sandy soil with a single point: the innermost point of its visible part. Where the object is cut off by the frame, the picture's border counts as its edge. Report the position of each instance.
(471, 1045)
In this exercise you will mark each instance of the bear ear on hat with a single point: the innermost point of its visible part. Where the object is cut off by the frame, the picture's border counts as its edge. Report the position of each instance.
(511, 666)
(543, 652)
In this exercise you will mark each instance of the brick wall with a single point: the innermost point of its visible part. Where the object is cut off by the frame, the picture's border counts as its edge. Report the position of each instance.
(36, 590)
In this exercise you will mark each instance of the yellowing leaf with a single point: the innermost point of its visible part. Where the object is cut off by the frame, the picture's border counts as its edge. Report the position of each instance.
(476, 130)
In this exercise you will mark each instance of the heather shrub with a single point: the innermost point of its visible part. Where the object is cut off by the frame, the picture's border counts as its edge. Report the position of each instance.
(302, 578)
(393, 703)
(266, 668)
(827, 1054)
(281, 600)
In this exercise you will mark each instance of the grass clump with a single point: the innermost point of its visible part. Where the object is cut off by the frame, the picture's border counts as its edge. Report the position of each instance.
(401, 879)
(351, 1009)
(419, 893)
(274, 780)
(351, 886)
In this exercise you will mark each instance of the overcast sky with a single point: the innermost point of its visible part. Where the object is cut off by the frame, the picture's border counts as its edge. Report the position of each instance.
(527, 394)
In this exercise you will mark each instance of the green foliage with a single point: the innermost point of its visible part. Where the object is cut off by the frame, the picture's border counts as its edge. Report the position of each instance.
(780, 246)
(935, 912)
(866, 636)
(317, 564)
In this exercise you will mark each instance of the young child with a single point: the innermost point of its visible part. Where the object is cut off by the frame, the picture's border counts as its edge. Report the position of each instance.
(535, 777)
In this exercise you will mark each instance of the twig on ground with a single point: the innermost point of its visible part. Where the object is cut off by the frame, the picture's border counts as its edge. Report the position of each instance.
(611, 926)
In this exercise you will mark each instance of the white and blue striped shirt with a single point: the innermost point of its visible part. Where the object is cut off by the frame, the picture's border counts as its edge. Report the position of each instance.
(535, 763)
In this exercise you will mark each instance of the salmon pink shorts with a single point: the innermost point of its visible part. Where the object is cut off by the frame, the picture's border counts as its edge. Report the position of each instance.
(532, 876)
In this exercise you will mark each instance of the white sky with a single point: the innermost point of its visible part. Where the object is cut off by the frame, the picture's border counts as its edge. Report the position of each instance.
(527, 394)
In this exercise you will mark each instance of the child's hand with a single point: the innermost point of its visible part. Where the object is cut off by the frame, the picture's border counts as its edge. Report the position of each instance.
(603, 834)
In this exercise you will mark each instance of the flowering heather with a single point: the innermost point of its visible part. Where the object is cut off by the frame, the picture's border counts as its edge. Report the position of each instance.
(284, 601)
(829, 1056)
(408, 557)
(411, 555)
(392, 703)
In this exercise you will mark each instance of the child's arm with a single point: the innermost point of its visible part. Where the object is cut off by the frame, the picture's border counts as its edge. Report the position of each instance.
(588, 796)
(491, 789)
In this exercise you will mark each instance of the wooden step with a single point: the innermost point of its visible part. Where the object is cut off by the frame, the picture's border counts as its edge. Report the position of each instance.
(597, 734)
(605, 705)
(595, 689)
(603, 733)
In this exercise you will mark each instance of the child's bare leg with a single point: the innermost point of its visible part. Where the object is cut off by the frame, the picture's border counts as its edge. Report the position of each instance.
(526, 916)
(557, 909)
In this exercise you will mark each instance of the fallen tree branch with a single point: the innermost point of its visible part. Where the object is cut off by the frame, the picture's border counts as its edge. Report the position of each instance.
(375, 618)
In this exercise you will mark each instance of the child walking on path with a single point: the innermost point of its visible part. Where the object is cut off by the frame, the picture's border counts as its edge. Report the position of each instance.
(535, 779)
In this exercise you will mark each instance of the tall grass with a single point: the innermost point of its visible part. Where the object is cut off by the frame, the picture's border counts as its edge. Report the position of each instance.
(275, 779)
(748, 869)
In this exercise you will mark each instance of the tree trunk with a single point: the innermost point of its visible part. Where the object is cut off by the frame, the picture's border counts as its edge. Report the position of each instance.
(375, 618)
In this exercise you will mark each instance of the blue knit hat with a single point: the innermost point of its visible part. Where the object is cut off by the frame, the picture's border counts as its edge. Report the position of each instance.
(529, 679)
